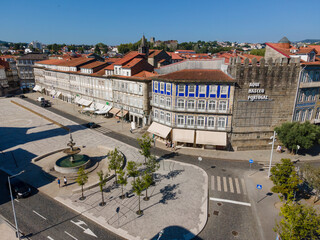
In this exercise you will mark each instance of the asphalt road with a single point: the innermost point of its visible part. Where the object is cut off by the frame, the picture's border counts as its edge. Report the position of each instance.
(226, 220)
(40, 217)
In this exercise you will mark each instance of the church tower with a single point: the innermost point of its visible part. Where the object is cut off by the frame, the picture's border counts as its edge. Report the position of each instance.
(143, 46)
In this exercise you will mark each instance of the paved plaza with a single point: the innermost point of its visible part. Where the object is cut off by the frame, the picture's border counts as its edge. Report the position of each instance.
(178, 203)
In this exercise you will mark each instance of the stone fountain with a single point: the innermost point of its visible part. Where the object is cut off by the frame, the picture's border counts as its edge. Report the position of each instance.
(73, 161)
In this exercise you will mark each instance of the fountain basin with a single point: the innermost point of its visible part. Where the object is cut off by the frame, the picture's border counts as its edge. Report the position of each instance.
(65, 165)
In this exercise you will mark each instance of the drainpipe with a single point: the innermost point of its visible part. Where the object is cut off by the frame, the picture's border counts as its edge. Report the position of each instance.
(297, 91)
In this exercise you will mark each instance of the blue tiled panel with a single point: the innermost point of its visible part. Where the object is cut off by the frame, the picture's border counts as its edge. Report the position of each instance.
(186, 90)
(229, 91)
(197, 90)
(207, 92)
(218, 91)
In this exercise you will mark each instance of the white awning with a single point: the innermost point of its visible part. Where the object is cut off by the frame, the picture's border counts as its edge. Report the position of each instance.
(58, 94)
(183, 135)
(89, 109)
(52, 92)
(105, 110)
(77, 99)
(99, 106)
(37, 88)
(211, 138)
(159, 130)
(85, 102)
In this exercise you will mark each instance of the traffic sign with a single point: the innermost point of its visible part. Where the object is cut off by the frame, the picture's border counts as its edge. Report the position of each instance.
(259, 186)
(250, 161)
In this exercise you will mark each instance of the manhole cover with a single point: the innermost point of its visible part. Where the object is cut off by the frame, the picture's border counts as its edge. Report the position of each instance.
(223, 170)
(219, 204)
(235, 233)
(216, 213)
(213, 166)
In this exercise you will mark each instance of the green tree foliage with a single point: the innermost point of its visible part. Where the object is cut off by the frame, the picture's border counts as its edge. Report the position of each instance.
(152, 165)
(133, 169)
(147, 179)
(312, 177)
(305, 135)
(258, 52)
(145, 145)
(82, 179)
(284, 178)
(115, 161)
(97, 49)
(102, 182)
(102, 47)
(138, 186)
(123, 180)
(298, 222)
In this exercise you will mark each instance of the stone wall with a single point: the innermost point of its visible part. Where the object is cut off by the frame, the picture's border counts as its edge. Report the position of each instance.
(264, 98)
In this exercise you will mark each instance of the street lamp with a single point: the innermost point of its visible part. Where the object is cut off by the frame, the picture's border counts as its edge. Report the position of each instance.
(160, 234)
(273, 139)
(199, 159)
(14, 212)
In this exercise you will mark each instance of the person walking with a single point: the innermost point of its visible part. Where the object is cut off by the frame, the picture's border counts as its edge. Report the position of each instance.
(65, 181)
(58, 182)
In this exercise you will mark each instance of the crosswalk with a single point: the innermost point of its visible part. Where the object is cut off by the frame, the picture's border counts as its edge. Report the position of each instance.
(228, 184)
(103, 130)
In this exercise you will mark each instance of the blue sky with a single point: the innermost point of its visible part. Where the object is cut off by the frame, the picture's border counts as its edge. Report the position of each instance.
(123, 21)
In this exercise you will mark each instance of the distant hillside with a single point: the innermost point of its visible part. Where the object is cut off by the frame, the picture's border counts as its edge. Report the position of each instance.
(310, 40)
(3, 41)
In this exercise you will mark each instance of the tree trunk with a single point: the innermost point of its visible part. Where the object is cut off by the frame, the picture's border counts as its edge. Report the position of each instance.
(102, 197)
(82, 190)
(139, 205)
(115, 173)
(122, 189)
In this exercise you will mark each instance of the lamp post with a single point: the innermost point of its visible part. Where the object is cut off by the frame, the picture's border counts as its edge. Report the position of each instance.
(14, 212)
(273, 139)
(160, 234)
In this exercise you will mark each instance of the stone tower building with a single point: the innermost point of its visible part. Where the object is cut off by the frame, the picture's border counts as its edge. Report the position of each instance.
(144, 46)
(264, 98)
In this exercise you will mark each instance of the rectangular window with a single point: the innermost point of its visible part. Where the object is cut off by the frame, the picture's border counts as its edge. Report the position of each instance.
(200, 121)
(201, 104)
(140, 88)
(180, 120)
(303, 115)
(222, 105)
(190, 104)
(296, 116)
(156, 113)
(211, 122)
(224, 89)
(213, 89)
(168, 87)
(155, 99)
(180, 103)
(221, 122)
(180, 88)
(161, 100)
(309, 114)
(155, 85)
(162, 86)
(168, 117)
(190, 120)
(202, 89)
(212, 105)
(192, 89)
(168, 102)
(162, 115)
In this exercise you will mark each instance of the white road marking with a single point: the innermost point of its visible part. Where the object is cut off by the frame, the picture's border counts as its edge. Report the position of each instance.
(231, 185)
(219, 183)
(231, 201)
(212, 183)
(243, 187)
(16, 200)
(71, 235)
(237, 185)
(86, 230)
(39, 215)
(225, 188)
(50, 238)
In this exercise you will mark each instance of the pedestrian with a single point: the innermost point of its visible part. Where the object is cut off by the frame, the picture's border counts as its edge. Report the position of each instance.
(65, 181)
(130, 130)
(58, 182)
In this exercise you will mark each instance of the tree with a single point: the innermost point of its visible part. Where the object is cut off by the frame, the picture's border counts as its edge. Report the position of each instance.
(115, 161)
(132, 168)
(145, 145)
(152, 165)
(102, 182)
(312, 177)
(138, 186)
(258, 52)
(82, 179)
(298, 222)
(97, 49)
(284, 178)
(303, 134)
(147, 179)
(123, 180)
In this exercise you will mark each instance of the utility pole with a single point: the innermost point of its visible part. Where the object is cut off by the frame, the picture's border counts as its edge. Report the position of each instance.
(273, 139)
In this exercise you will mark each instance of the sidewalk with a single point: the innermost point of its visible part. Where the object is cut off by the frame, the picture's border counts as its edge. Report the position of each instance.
(6, 230)
(259, 156)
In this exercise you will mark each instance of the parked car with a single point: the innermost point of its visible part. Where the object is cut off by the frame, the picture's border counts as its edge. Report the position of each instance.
(19, 188)
(45, 103)
(40, 99)
(9, 96)
(22, 96)
(92, 125)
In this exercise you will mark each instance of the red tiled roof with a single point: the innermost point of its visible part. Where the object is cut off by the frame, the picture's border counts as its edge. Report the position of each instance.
(306, 50)
(316, 47)
(196, 75)
(52, 61)
(132, 63)
(93, 65)
(127, 58)
(76, 62)
(145, 74)
(110, 67)
(277, 46)
(154, 52)
(174, 56)
(1, 66)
